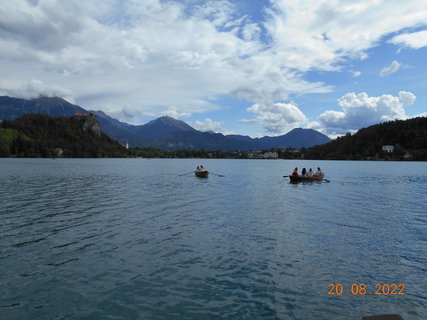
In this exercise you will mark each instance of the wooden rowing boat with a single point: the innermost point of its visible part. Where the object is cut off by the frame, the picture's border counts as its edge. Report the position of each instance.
(201, 174)
(305, 179)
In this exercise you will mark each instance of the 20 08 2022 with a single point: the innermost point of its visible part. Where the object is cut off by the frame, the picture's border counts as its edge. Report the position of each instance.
(362, 289)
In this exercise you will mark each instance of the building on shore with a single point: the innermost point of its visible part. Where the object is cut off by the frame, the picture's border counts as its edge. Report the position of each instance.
(388, 148)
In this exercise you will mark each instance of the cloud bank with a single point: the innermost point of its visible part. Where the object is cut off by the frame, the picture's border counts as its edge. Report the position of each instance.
(35, 89)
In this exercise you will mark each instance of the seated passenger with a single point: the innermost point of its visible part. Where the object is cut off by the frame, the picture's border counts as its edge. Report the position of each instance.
(304, 172)
(295, 173)
(310, 173)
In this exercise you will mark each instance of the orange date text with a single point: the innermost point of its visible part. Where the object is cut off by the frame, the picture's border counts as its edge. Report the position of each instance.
(364, 289)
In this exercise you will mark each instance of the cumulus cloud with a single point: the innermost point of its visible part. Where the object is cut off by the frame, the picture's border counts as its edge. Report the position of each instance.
(209, 125)
(277, 118)
(415, 40)
(35, 89)
(357, 74)
(395, 65)
(360, 110)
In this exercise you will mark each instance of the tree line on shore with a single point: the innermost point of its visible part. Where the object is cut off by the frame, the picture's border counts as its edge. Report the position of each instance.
(43, 136)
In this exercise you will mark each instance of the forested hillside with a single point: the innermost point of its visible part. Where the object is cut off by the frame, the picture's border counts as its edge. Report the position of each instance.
(35, 135)
(408, 137)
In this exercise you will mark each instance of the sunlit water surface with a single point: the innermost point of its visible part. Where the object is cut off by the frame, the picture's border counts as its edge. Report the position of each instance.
(132, 239)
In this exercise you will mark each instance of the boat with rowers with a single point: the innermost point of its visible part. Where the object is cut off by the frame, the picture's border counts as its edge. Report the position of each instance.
(307, 176)
(201, 174)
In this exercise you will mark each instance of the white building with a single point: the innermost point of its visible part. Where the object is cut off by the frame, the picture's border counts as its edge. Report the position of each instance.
(270, 155)
(388, 148)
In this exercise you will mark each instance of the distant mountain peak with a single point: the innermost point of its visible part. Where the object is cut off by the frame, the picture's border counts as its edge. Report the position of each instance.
(168, 120)
(297, 129)
(300, 130)
(161, 126)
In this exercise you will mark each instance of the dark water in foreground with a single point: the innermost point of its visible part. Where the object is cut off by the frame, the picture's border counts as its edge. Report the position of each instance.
(131, 239)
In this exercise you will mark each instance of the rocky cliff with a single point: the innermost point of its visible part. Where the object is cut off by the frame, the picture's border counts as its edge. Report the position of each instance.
(89, 123)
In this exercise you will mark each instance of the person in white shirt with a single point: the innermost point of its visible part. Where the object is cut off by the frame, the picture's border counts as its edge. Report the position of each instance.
(319, 173)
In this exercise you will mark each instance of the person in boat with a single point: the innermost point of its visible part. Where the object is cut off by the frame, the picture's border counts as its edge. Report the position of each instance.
(295, 173)
(310, 173)
(202, 169)
(319, 173)
(304, 172)
(198, 169)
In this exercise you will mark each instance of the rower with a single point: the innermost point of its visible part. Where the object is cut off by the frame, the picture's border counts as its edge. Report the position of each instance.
(319, 173)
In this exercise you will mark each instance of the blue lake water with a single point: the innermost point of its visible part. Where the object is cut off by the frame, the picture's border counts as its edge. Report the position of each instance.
(132, 239)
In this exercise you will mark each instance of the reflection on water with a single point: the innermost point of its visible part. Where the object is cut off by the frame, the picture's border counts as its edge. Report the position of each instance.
(131, 239)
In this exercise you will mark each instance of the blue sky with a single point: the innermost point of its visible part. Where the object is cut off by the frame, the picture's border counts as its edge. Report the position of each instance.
(247, 67)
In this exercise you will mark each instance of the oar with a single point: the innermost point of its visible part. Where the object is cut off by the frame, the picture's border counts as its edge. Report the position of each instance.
(219, 175)
(185, 173)
(285, 176)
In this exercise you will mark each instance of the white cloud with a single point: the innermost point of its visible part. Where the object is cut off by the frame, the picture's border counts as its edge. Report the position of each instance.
(360, 110)
(220, 12)
(321, 34)
(395, 65)
(357, 74)
(209, 125)
(251, 31)
(415, 40)
(35, 89)
(277, 118)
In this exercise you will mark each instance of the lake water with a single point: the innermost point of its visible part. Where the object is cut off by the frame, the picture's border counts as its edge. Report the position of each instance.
(132, 239)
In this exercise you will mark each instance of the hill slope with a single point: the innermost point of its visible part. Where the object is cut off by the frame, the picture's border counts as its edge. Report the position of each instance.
(296, 138)
(35, 135)
(409, 138)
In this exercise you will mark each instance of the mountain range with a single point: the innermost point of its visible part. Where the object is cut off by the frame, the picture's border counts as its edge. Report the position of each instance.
(163, 133)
